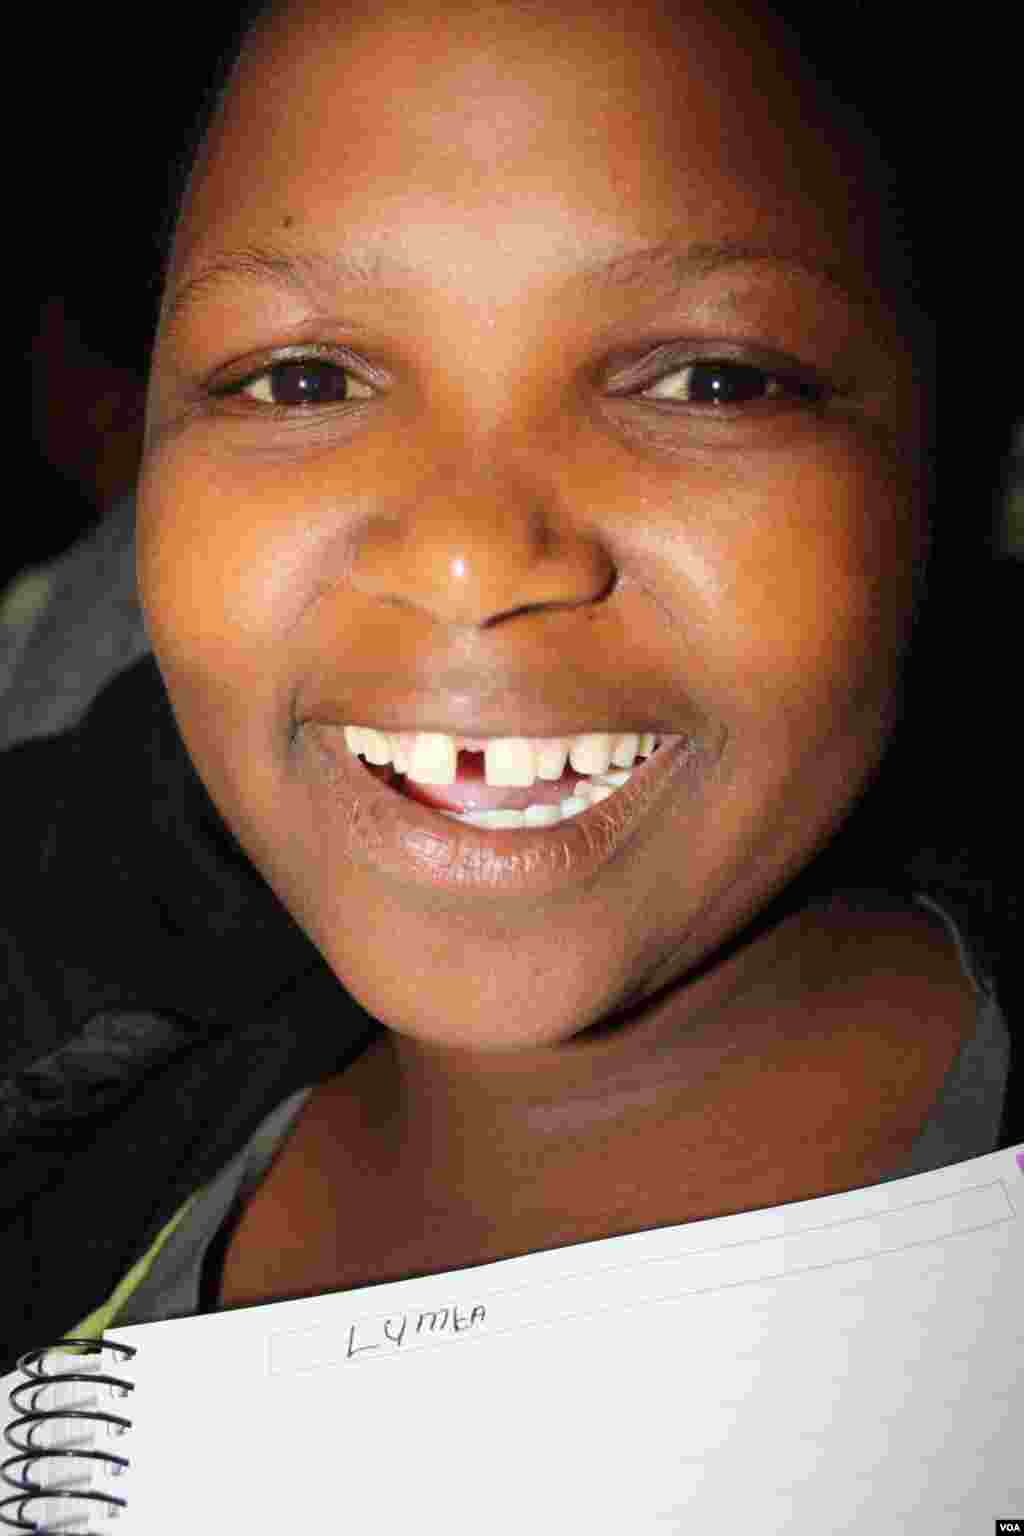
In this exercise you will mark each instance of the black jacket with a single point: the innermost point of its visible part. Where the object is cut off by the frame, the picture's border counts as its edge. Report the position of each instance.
(155, 995)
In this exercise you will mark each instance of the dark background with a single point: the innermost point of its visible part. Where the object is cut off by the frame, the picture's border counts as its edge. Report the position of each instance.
(113, 109)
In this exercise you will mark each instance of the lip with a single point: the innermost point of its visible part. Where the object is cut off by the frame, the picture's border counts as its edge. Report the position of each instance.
(419, 846)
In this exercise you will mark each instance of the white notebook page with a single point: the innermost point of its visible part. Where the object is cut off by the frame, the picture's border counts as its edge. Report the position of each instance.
(852, 1365)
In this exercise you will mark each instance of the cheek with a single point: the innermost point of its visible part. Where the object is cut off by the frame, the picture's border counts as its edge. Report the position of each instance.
(814, 591)
(216, 566)
(224, 568)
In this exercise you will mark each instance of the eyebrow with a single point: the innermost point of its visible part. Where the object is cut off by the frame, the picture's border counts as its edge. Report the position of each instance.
(668, 266)
(685, 264)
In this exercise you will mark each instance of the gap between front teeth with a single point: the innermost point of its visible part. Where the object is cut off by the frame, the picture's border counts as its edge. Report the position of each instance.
(511, 762)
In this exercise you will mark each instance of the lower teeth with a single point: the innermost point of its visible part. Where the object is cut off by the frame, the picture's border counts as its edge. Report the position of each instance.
(599, 788)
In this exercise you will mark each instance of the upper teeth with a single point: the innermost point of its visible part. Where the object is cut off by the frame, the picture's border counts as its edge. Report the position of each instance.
(510, 762)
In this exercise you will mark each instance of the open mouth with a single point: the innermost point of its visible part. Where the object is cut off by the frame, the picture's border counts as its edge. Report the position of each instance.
(505, 784)
(424, 812)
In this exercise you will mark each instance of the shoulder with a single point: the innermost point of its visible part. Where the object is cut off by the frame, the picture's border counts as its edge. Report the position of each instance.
(887, 943)
(860, 945)
(873, 1005)
(888, 977)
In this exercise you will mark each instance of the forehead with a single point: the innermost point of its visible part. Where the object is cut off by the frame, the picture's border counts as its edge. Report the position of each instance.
(554, 126)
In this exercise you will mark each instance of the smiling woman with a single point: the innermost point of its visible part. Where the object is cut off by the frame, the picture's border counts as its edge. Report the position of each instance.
(532, 532)
(739, 339)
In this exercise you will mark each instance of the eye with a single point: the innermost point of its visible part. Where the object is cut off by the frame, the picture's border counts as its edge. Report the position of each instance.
(719, 381)
(301, 381)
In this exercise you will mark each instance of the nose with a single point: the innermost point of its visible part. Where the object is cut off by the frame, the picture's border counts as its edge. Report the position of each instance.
(474, 546)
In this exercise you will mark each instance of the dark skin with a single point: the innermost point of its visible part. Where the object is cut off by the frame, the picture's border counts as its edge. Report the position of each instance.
(558, 1067)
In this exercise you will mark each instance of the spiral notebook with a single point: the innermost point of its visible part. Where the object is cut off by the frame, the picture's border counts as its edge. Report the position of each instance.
(852, 1364)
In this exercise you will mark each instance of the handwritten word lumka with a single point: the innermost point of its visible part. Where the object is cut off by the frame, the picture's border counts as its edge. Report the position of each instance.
(406, 1327)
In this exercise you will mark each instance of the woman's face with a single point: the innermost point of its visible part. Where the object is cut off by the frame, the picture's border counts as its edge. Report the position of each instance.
(500, 501)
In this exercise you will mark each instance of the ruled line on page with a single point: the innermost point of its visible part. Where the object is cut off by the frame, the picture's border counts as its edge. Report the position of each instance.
(478, 1310)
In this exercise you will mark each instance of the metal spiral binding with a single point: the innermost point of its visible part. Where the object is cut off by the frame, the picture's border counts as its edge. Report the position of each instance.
(34, 1419)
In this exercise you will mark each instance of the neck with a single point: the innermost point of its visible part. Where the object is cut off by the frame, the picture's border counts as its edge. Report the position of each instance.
(673, 1050)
